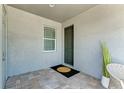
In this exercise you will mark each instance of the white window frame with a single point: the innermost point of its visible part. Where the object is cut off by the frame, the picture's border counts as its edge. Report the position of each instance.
(49, 39)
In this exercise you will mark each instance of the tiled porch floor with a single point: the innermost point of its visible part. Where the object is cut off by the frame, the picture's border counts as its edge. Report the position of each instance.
(50, 79)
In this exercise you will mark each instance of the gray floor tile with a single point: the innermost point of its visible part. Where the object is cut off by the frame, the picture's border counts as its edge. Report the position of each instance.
(50, 79)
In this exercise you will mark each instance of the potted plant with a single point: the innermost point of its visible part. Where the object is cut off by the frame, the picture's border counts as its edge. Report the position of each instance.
(106, 60)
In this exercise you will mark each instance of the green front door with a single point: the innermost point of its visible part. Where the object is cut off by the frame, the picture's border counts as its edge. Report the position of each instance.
(68, 45)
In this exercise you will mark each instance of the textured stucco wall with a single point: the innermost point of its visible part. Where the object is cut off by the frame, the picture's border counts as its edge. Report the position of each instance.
(25, 42)
(101, 23)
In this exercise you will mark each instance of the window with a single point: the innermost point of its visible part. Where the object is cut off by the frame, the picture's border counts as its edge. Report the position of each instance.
(49, 39)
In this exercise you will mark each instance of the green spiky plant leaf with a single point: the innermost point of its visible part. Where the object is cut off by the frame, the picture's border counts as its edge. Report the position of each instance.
(106, 59)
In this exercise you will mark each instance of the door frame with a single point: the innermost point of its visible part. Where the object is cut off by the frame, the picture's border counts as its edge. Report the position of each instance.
(4, 44)
(5, 33)
(72, 66)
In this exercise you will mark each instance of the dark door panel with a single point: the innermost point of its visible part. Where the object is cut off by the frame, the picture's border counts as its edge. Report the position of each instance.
(68, 45)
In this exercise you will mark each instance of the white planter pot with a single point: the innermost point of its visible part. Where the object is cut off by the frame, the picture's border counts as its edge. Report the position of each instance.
(105, 81)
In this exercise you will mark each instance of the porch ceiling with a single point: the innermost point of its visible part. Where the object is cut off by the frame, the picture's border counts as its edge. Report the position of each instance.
(60, 12)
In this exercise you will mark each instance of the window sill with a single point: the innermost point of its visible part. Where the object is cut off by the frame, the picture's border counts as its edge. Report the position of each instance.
(50, 51)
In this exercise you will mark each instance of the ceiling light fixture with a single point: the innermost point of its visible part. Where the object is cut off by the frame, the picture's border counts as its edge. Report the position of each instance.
(51, 5)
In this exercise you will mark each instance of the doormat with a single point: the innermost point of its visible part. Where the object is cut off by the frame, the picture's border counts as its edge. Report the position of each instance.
(64, 70)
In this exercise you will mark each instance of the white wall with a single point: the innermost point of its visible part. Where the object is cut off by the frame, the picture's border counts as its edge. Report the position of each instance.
(103, 22)
(25, 42)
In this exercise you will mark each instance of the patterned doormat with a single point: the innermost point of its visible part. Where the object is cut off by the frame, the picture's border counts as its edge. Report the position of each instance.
(64, 70)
